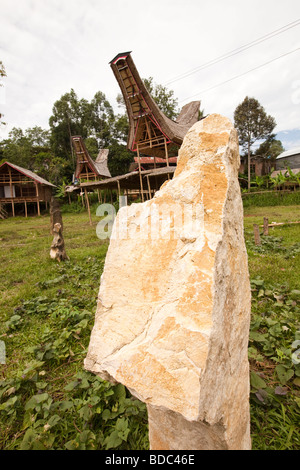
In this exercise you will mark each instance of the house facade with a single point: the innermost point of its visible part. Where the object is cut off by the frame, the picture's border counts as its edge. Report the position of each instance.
(289, 158)
(21, 186)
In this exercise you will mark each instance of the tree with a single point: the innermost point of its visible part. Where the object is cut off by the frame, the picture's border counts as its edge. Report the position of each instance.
(30, 149)
(163, 97)
(102, 120)
(2, 74)
(70, 116)
(252, 124)
(271, 148)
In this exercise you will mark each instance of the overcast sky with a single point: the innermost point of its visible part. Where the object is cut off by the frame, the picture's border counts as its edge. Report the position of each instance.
(51, 46)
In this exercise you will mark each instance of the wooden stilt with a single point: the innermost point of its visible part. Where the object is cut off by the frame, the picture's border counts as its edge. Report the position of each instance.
(149, 187)
(166, 150)
(25, 204)
(141, 179)
(37, 199)
(13, 207)
(88, 205)
(98, 191)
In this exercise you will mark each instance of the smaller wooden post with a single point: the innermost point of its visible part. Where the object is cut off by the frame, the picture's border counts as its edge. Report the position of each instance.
(149, 187)
(141, 179)
(37, 198)
(257, 240)
(88, 205)
(266, 226)
(25, 204)
(166, 150)
(13, 207)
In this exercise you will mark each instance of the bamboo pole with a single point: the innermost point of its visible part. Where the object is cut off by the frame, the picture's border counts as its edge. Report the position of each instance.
(149, 187)
(37, 198)
(141, 180)
(166, 150)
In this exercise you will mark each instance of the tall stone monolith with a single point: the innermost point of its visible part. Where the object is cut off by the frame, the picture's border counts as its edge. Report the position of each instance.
(172, 321)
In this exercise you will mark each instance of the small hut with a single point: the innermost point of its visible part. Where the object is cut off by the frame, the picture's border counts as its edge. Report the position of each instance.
(21, 186)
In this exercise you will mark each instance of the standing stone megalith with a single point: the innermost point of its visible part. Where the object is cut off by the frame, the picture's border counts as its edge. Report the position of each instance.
(172, 321)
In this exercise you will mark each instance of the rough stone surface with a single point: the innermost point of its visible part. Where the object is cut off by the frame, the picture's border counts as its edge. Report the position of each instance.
(173, 316)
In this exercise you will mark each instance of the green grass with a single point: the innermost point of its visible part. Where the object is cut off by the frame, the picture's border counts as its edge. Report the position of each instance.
(270, 263)
(48, 401)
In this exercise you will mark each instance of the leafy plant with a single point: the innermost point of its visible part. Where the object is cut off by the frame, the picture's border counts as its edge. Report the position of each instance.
(51, 404)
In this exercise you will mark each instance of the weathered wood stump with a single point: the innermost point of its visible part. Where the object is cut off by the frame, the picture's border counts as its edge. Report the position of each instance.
(257, 239)
(55, 214)
(57, 250)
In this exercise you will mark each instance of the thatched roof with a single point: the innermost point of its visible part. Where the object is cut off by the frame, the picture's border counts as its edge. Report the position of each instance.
(28, 173)
(147, 121)
(99, 167)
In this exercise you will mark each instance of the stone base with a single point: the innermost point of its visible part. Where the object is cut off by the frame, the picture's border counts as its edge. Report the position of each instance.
(171, 431)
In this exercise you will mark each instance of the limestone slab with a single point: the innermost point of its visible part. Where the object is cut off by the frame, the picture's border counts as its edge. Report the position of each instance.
(173, 315)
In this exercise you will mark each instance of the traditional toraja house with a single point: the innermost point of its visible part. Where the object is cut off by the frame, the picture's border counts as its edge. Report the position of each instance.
(152, 135)
(21, 186)
(150, 132)
(86, 168)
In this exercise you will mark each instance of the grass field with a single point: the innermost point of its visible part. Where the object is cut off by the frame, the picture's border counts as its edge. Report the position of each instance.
(47, 400)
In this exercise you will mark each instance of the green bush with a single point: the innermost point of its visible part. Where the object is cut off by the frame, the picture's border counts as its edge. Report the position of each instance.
(272, 198)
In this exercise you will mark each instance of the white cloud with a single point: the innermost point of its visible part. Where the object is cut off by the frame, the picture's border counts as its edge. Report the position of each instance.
(51, 46)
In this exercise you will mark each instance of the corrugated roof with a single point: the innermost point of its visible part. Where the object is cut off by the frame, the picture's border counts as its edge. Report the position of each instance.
(29, 173)
(289, 153)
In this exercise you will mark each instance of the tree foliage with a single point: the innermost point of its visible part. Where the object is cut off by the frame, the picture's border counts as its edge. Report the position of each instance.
(50, 152)
(252, 123)
(163, 97)
(2, 74)
(271, 148)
